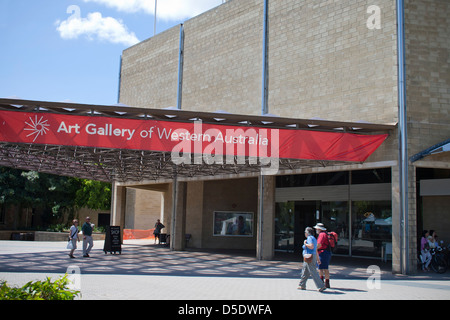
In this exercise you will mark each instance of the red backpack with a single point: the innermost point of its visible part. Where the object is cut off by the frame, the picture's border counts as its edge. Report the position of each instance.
(332, 240)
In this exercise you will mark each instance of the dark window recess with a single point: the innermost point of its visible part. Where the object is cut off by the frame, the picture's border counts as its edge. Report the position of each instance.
(382, 175)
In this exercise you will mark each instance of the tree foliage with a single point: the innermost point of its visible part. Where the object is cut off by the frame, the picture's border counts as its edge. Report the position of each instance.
(93, 194)
(52, 194)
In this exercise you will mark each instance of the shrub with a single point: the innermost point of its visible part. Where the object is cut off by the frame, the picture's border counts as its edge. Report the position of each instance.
(39, 290)
(58, 228)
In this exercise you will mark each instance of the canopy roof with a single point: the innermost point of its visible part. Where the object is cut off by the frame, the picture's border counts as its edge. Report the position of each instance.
(108, 143)
(443, 146)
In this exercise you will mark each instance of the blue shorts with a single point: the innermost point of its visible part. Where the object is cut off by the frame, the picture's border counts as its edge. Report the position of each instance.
(325, 258)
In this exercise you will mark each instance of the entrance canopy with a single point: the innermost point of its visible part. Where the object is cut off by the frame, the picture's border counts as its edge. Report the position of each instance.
(443, 146)
(121, 143)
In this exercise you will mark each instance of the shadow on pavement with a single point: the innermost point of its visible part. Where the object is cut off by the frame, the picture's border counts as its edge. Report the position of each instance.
(157, 260)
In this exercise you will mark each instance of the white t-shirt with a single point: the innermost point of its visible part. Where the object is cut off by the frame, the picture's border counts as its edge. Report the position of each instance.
(74, 232)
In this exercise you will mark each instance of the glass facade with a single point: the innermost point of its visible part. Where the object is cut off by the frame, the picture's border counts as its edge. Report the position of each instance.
(335, 217)
(284, 226)
(364, 229)
(371, 227)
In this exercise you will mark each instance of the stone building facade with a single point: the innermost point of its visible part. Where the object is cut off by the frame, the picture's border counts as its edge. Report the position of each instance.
(333, 60)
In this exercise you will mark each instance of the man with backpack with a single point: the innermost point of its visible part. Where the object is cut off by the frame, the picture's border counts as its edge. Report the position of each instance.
(324, 249)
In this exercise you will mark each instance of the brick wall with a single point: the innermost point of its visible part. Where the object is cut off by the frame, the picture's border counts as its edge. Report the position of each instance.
(143, 208)
(149, 75)
(323, 62)
(427, 27)
(222, 62)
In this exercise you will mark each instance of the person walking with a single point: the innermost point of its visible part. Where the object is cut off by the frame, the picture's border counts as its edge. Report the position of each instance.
(73, 237)
(88, 241)
(309, 261)
(324, 251)
(157, 231)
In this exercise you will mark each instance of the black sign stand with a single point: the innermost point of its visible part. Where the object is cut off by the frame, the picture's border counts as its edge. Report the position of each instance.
(113, 241)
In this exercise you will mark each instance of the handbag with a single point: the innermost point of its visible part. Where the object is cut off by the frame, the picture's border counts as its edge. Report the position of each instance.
(308, 257)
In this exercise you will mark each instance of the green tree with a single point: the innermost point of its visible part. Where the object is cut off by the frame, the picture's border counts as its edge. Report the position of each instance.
(50, 194)
(93, 194)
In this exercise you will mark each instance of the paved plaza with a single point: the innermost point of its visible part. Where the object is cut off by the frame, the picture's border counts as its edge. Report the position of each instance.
(144, 271)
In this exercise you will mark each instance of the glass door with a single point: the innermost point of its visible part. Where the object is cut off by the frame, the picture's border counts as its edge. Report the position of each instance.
(305, 215)
(284, 226)
(335, 217)
(291, 219)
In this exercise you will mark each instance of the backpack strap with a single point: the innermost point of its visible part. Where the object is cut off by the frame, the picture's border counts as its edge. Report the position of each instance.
(73, 235)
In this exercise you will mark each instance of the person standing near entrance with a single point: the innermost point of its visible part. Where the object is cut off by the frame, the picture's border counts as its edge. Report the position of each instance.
(324, 251)
(309, 267)
(158, 227)
(88, 242)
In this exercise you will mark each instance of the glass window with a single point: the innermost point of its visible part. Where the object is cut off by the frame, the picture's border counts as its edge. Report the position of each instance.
(313, 179)
(382, 175)
(371, 227)
(335, 218)
(284, 226)
(230, 223)
(365, 230)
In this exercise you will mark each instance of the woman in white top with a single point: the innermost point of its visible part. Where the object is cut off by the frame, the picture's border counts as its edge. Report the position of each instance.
(73, 236)
(432, 240)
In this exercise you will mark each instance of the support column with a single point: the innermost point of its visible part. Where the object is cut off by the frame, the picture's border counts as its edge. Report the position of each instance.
(412, 220)
(266, 218)
(177, 235)
(396, 226)
(404, 254)
(194, 213)
(118, 203)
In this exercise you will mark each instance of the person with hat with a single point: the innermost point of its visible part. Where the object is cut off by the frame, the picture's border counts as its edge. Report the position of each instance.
(324, 250)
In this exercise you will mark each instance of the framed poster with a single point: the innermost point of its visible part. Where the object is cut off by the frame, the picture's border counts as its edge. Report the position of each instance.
(233, 224)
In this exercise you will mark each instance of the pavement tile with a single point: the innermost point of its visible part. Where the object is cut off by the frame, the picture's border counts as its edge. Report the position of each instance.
(150, 272)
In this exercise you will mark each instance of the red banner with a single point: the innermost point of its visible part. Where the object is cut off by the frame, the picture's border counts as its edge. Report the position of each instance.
(184, 138)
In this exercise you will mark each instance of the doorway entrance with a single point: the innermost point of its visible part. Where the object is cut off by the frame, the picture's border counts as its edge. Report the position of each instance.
(291, 219)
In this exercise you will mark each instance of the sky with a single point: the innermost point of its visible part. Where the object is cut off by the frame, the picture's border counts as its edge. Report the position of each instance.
(69, 50)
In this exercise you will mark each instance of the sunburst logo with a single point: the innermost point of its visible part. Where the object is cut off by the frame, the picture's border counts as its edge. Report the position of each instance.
(37, 127)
